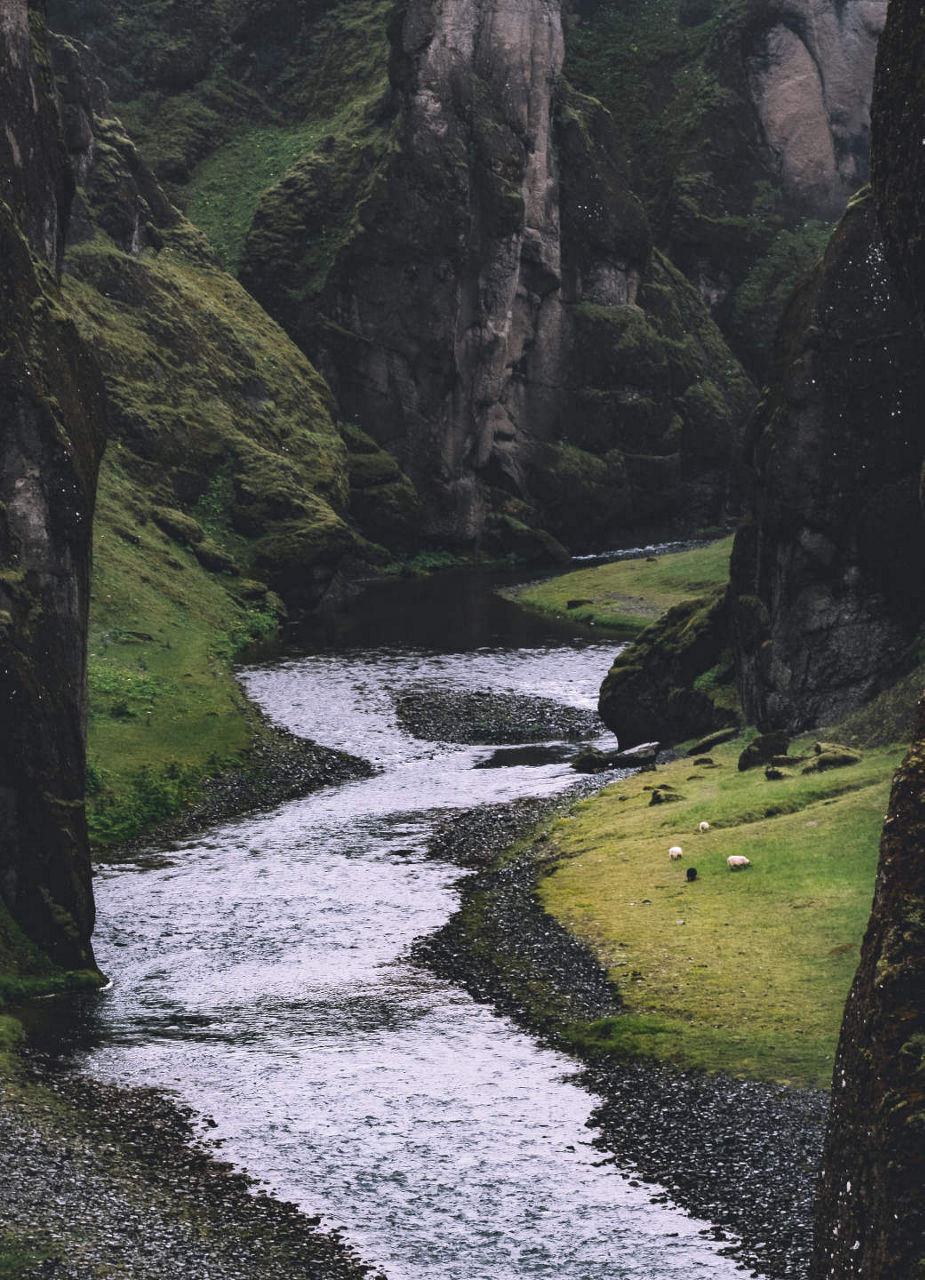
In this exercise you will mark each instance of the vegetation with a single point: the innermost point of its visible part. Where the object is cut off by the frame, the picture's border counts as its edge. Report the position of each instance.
(744, 972)
(165, 710)
(625, 596)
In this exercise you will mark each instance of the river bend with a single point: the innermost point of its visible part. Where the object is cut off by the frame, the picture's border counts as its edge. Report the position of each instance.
(260, 976)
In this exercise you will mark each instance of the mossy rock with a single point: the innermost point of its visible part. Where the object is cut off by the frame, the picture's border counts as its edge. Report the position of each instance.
(830, 755)
(712, 740)
(178, 525)
(655, 688)
(764, 748)
(211, 556)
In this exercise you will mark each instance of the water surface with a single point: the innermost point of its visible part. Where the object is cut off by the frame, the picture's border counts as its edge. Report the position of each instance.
(260, 974)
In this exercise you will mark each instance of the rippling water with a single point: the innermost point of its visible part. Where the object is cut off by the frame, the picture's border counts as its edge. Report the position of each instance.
(260, 975)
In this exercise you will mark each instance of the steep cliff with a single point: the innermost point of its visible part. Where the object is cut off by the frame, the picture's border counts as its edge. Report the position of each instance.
(747, 129)
(828, 572)
(448, 230)
(51, 410)
(871, 1211)
(543, 368)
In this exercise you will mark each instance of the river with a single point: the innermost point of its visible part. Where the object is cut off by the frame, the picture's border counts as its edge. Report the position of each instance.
(261, 977)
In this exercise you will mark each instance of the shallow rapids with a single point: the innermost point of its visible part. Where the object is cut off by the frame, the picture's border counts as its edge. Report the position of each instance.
(260, 975)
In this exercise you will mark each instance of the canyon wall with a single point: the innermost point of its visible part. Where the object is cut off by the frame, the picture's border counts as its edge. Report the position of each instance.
(871, 1210)
(476, 278)
(51, 410)
(828, 572)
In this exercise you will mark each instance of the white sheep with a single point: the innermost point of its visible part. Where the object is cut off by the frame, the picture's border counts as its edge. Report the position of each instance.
(675, 853)
(738, 862)
(704, 826)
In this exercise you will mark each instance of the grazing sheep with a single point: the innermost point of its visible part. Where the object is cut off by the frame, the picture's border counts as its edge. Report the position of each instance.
(737, 862)
(675, 853)
(704, 826)
(691, 874)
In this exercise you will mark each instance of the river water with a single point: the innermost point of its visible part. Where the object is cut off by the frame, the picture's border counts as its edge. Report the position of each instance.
(260, 975)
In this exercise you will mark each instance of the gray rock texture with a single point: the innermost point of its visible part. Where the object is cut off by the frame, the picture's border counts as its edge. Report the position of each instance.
(811, 79)
(870, 1218)
(476, 280)
(828, 572)
(51, 413)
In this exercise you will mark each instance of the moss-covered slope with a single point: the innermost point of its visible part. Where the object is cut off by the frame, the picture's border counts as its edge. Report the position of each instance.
(449, 231)
(225, 487)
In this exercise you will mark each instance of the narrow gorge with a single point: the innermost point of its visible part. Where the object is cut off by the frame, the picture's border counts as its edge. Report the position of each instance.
(315, 317)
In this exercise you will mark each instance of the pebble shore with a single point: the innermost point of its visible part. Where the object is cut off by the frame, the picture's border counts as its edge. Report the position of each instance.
(742, 1154)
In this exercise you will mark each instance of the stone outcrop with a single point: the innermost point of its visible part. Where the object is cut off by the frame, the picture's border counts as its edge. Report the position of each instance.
(871, 1210)
(676, 680)
(51, 415)
(811, 78)
(828, 571)
(475, 278)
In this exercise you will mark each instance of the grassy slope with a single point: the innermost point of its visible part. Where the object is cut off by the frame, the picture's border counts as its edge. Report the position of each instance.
(164, 707)
(627, 595)
(326, 94)
(755, 978)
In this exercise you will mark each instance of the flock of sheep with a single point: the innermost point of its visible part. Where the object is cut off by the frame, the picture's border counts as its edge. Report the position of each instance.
(737, 862)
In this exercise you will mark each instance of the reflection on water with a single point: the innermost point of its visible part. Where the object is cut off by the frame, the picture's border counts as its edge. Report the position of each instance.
(259, 973)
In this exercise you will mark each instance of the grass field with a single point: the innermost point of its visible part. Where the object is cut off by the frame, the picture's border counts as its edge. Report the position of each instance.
(627, 595)
(745, 971)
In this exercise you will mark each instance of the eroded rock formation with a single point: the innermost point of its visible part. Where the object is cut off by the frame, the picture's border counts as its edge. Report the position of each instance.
(828, 572)
(476, 279)
(810, 78)
(51, 415)
(871, 1211)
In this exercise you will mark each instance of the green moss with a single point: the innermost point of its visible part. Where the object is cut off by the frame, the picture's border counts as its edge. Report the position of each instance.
(762, 297)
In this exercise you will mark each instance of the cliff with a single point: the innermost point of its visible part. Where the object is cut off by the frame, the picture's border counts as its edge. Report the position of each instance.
(871, 1210)
(747, 128)
(448, 230)
(545, 369)
(51, 409)
(828, 572)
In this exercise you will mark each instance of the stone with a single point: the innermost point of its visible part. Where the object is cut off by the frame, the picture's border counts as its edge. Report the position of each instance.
(763, 749)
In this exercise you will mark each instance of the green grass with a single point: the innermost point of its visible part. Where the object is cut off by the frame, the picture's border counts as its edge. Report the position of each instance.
(165, 710)
(627, 595)
(226, 189)
(754, 980)
(332, 89)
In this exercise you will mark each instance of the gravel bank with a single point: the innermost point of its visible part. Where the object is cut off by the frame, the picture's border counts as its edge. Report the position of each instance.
(742, 1154)
(100, 1181)
(279, 767)
(458, 715)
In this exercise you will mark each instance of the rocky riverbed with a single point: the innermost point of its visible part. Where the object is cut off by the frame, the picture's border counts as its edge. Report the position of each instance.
(743, 1154)
(97, 1180)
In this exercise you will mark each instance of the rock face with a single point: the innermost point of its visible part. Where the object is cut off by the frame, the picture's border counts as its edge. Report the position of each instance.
(476, 280)
(51, 410)
(828, 573)
(810, 79)
(747, 129)
(871, 1210)
(676, 680)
